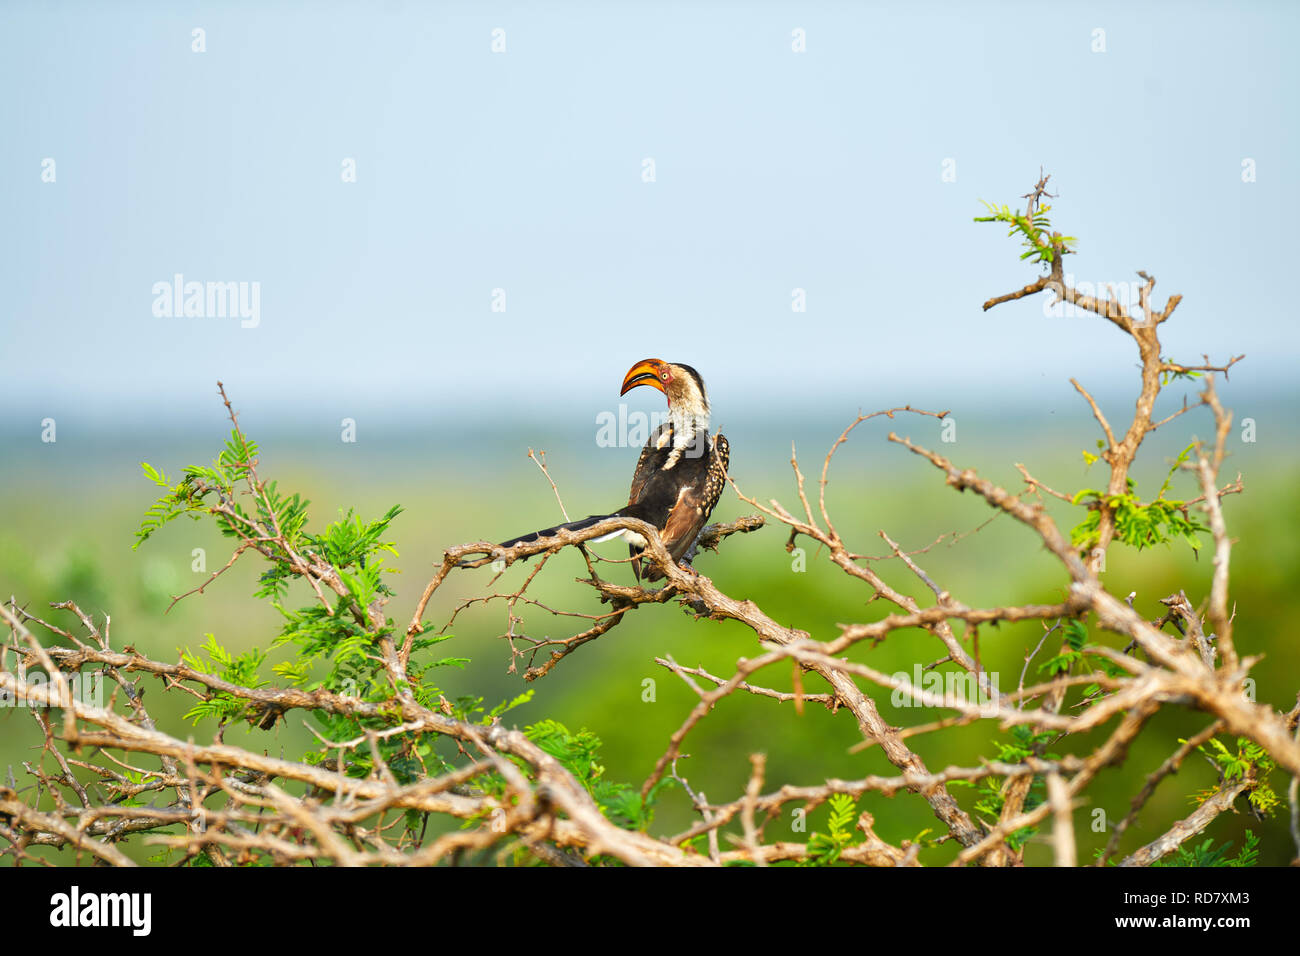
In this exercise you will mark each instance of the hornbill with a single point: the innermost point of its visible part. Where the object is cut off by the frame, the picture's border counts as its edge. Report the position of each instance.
(680, 475)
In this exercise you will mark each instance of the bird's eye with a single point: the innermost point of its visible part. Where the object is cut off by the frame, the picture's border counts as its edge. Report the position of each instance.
(664, 376)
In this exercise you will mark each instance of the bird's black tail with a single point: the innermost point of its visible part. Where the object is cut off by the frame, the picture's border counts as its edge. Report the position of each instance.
(578, 525)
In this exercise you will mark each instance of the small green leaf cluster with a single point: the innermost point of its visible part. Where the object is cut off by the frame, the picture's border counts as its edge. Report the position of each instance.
(1076, 640)
(1089, 458)
(1024, 743)
(1076, 649)
(1159, 521)
(188, 497)
(1207, 854)
(825, 849)
(1040, 244)
(1174, 374)
(235, 669)
(580, 754)
(1250, 759)
(350, 545)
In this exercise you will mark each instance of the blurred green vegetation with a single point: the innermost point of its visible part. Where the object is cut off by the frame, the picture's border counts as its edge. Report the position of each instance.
(67, 534)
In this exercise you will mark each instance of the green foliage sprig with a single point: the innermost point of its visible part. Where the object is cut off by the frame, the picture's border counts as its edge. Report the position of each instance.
(1207, 854)
(824, 849)
(1040, 245)
(991, 790)
(1159, 521)
(580, 755)
(241, 670)
(1249, 761)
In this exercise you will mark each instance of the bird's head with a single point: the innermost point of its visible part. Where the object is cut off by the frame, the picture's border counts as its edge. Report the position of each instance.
(681, 384)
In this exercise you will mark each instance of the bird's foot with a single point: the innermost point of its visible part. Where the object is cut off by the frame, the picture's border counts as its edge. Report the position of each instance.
(698, 606)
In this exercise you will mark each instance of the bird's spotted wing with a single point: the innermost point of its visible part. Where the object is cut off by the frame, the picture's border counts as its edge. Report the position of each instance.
(717, 482)
(695, 502)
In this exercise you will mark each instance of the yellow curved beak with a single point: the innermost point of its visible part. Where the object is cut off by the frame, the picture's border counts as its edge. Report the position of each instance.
(645, 372)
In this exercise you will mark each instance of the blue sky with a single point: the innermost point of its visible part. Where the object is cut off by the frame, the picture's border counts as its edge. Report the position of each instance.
(523, 170)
